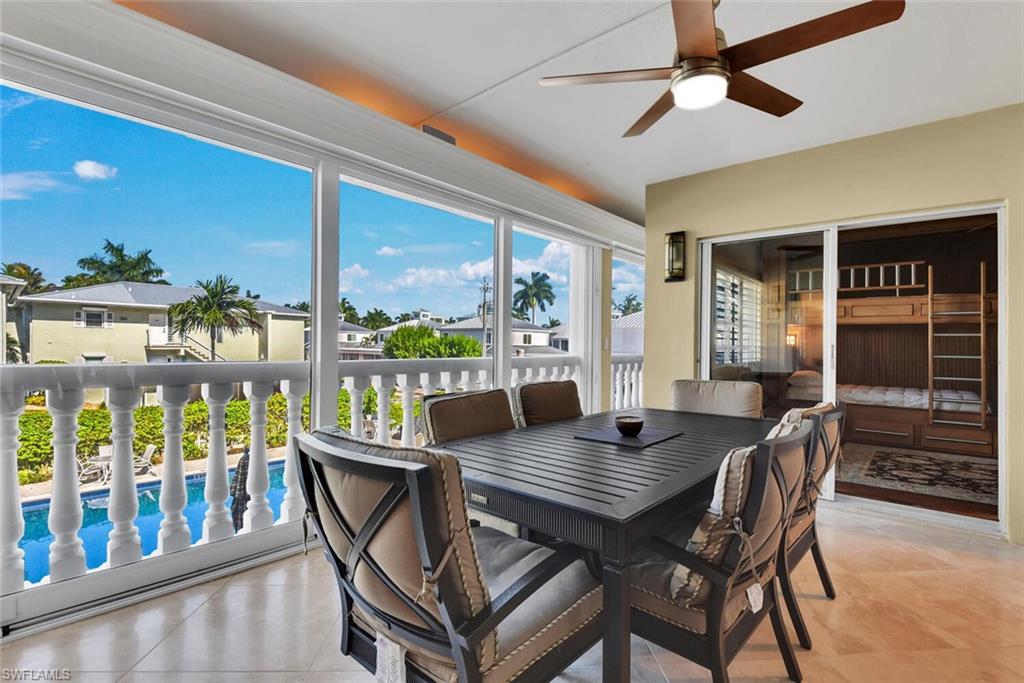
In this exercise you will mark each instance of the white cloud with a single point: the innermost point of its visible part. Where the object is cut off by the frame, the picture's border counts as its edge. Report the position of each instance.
(351, 277)
(94, 170)
(477, 243)
(10, 104)
(370, 234)
(274, 247)
(389, 251)
(418, 278)
(628, 279)
(478, 270)
(23, 184)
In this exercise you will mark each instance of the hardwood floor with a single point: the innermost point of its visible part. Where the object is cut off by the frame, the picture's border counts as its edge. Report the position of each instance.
(956, 507)
(916, 603)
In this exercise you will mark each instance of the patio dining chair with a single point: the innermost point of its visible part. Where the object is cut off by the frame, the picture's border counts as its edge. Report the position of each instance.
(97, 467)
(536, 403)
(828, 421)
(465, 414)
(702, 594)
(457, 602)
(718, 397)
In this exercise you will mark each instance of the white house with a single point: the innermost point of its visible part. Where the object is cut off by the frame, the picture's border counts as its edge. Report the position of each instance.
(527, 338)
(628, 334)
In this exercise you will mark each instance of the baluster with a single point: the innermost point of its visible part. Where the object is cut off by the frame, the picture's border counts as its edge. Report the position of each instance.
(408, 388)
(448, 382)
(174, 532)
(640, 382)
(67, 556)
(634, 399)
(384, 385)
(12, 523)
(356, 391)
(123, 544)
(618, 386)
(293, 506)
(465, 380)
(258, 514)
(431, 382)
(217, 524)
(484, 381)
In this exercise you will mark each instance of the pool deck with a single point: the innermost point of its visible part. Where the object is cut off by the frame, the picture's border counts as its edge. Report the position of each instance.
(41, 490)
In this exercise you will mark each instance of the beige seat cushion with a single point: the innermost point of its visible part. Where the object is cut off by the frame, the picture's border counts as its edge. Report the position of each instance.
(740, 399)
(802, 521)
(542, 402)
(550, 616)
(464, 415)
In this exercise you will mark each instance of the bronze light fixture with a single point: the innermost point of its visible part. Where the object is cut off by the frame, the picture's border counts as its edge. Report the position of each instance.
(675, 256)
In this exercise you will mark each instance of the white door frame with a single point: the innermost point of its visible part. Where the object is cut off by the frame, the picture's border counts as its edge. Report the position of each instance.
(831, 243)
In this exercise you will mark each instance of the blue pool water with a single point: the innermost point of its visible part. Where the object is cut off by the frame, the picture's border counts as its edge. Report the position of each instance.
(96, 526)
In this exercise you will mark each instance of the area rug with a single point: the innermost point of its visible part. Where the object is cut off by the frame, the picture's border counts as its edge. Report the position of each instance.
(960, 477)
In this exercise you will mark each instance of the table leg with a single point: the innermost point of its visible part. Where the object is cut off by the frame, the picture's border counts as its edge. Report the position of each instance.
(615, 646)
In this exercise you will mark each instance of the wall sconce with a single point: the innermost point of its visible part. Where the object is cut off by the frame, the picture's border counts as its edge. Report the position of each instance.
(675, 256)
(790, 340)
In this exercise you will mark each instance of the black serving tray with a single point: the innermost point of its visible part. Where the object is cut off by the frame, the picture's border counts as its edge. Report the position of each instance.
(648, 437)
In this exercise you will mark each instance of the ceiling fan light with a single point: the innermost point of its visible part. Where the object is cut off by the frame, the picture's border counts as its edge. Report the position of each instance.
(700, 88)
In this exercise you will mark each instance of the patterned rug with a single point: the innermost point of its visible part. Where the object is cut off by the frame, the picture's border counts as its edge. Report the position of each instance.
(961, 477)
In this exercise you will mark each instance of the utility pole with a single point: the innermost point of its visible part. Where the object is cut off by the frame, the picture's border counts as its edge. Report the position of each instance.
(485, 288)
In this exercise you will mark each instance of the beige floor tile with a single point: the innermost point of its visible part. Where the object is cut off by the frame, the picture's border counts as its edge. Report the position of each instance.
(213, 677)
(249, 628)
(110, 642)
(942, 666)
(329, 657)
(299, 569)
(340, 677)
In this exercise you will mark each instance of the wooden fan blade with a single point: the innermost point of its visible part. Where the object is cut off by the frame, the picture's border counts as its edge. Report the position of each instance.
(812, 33)
(695, 28)
(746, 89)
(610, 77)
(658, 109)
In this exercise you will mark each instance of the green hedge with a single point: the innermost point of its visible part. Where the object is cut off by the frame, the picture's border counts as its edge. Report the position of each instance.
(35, 453)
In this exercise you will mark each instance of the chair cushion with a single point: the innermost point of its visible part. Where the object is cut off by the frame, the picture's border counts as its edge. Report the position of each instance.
(717, 397)
(542, 402)
(464, 415)
(545, 620)
(803, 519)
(394, 546)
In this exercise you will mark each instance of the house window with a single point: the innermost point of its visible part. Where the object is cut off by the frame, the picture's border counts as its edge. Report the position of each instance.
(737, 317)
(488, 342)
(94, 357)
(527, 339)
(94, 317)
(350, 337)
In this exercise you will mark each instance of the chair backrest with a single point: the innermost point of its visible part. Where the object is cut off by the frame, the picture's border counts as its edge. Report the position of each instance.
(542, 402)
(718, 397)
(450, 417)
(828, 425)
(395, 527)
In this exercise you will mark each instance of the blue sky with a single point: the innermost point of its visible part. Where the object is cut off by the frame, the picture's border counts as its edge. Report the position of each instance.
(72, 177)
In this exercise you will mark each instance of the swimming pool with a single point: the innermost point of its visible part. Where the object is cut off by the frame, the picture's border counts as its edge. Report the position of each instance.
(96, 526)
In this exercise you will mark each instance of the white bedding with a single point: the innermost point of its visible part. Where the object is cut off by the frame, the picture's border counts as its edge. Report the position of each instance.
(893, 397)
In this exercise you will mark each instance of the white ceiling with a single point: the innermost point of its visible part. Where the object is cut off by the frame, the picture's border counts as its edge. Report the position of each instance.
(477, 63)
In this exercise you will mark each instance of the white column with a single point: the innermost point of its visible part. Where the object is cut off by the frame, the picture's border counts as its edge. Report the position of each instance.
(356, 392)
(323, 352)
(258, 514)
(12, 524)
(293, 506)
(384, 385)
(217, 524)
(407, 385)
(123, 544)
(67, 556)
(174, 532)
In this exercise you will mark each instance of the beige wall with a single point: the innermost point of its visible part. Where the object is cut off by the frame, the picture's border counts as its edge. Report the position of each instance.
(966, 160)
(606, 329)
(287, 338)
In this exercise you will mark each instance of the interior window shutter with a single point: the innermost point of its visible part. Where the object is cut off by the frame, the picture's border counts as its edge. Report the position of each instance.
(108, 319)
(79, 319)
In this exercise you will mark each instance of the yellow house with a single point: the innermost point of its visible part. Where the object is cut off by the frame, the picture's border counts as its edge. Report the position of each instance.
(127, 322)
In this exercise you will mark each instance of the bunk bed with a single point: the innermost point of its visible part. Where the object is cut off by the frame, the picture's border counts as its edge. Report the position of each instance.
(950, 414)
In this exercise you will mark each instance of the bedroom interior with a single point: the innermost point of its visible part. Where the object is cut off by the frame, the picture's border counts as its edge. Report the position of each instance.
(913, 355)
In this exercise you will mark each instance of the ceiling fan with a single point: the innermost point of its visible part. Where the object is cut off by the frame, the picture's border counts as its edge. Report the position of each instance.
(706, 71)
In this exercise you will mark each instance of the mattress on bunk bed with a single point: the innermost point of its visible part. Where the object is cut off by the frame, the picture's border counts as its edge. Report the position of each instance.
(903, 397)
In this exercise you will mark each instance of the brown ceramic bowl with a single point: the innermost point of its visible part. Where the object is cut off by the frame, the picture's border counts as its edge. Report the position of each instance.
(629, 425)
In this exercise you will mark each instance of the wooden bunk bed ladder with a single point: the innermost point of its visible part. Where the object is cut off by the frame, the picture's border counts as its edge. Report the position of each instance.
(949, 318)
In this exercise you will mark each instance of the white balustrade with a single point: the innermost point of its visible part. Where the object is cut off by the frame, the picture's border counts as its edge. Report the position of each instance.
(258, 514)
(12, 524)
(217, 524)
(627, 381)
(293, 507)
(401, 380)
(174, 532)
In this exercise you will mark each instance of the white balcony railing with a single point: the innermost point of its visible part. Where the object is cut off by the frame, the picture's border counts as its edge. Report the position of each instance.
(627, 381)
(123, 387)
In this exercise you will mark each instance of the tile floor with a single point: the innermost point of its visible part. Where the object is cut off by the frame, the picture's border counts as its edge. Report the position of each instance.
(916, 603)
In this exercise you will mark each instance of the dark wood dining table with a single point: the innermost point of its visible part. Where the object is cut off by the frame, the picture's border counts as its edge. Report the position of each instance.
(600, 496)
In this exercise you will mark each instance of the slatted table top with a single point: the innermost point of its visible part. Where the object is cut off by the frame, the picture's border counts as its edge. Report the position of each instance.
(546, 462)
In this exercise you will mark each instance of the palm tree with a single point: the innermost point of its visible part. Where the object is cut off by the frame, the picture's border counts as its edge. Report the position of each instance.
(404, 318)
(216, 308)
(348, 311)
(115, 264)
(299, 306)
(553, 323)
(13, 350)
(533, 294)
(631, 304)
(33, 277)
(376, 319)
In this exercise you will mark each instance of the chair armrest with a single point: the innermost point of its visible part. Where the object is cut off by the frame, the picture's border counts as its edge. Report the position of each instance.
(689, 560)
(474, 629)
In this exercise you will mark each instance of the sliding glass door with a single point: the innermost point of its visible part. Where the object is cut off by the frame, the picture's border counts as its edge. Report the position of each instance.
(767, 314)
